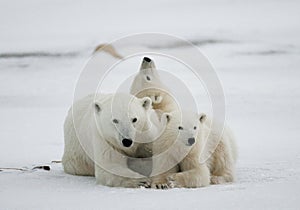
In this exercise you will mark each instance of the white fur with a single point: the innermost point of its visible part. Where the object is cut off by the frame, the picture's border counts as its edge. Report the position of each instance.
(148, 83)
(181, 157)
(221, 163)
(191, 171)
(222, 153)
(90, 120)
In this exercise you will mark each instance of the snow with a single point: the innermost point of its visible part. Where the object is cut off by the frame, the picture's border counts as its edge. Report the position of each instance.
(253, 45)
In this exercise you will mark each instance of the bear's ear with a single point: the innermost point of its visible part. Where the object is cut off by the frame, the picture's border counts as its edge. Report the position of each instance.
(146, 103)
(97, 107)
(202, 117)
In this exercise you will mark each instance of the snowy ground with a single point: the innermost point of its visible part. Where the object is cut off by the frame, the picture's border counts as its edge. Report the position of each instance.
(254, 46)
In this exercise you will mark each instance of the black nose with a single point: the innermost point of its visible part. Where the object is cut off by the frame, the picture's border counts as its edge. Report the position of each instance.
(147, 59)
(127, 142)
(191, 141)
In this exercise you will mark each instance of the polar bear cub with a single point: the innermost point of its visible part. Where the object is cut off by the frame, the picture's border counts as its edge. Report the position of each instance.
(221, 152)
(187, 132)
(195, 140)
(100, 133)
(148, 83)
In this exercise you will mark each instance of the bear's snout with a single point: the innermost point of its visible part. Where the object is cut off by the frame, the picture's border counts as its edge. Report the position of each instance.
(191, 141)
(147, 59)
(127, 142)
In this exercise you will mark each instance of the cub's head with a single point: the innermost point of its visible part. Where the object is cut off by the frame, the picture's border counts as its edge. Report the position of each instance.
(121, 117)
(187, 126)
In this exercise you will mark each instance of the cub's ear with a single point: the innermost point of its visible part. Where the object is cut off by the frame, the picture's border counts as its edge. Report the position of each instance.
(202, 117)
(97, 107)
(146, 103)
(167, 116)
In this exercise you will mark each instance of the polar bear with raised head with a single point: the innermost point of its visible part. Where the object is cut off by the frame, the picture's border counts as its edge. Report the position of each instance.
(148, 83)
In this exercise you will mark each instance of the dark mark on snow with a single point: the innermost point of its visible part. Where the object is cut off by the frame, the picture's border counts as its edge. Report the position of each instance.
(46, 168)
(200, 42)
(16, 169)
(38, 54)
(210, 41)
(267, 52)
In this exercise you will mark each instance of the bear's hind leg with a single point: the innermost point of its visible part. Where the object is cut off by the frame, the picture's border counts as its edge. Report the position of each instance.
(223, 169)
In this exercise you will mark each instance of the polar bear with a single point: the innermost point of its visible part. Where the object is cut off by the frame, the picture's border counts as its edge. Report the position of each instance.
(100, 132)
(195, 139)
(148, 83)
(181, 155)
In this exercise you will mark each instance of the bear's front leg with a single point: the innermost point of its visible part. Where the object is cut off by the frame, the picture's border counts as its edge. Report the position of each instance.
(106, 178)
(197, 177)
(160, 182)
(111, 169)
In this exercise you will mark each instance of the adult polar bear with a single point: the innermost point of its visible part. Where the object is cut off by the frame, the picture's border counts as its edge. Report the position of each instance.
(100, 133)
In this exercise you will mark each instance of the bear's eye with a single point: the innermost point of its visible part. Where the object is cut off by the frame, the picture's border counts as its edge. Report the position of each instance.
(115, 121)
(180, 128)
(148, 78)
(134, 120)
(195, 127)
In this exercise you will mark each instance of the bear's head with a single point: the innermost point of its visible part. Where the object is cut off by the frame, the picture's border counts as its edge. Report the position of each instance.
(146, 77)
(121, 117)
(187, 127)
(180, 138)
(147, 82)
